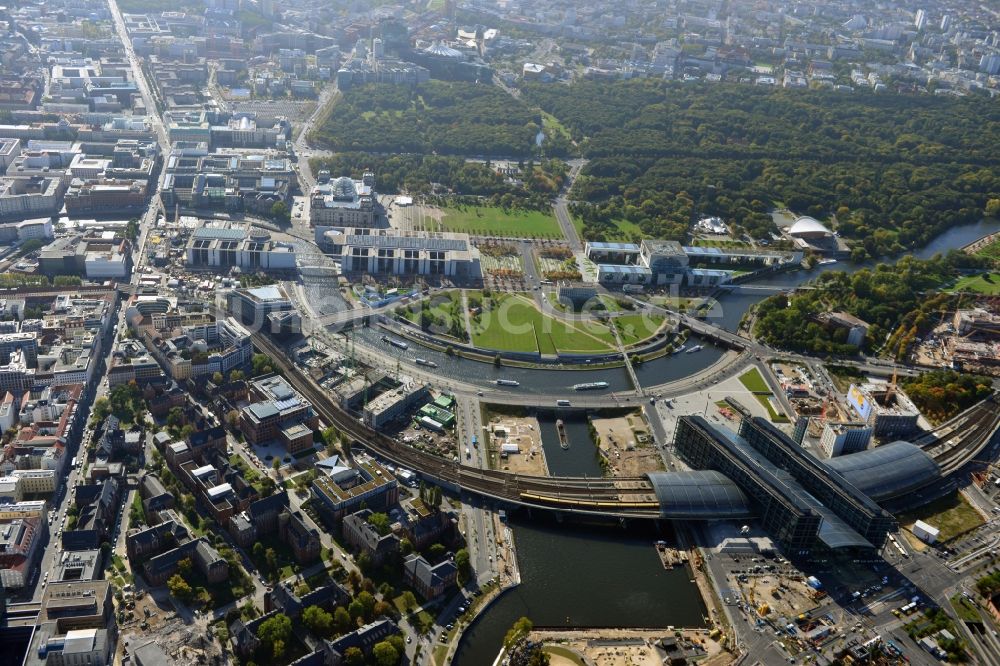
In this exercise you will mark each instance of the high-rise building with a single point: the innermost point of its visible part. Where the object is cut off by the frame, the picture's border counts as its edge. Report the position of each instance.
(920, 20)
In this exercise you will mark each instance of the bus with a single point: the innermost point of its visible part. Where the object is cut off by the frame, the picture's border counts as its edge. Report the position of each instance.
(72, 463)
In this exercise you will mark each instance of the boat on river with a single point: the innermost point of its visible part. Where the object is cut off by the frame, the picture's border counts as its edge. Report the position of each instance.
(590, 386)
(561, 429)
(394, 342)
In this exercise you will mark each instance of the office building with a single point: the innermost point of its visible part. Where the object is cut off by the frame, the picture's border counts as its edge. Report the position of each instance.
(224, 246)
(886, 409)
(343, 490)
(30, 196)
(104, 195)
(393, 404)
(278, 412)
(841, 439)
(407, 253)
(253, 307)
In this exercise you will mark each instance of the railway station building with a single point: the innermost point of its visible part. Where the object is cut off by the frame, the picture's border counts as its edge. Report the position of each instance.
(807, 505)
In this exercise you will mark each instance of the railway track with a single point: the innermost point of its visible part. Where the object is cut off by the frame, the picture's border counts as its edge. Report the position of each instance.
(969, 433)
(969, 436)
(624, 497)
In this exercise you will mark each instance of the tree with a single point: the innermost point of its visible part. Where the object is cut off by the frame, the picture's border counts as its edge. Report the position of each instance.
(318, 621)
(237, 375)
(380, 522)
(31, 245)
(274, 630)
(356, 609)
(101, 409)
(463, 564)
(367, 601)
(354, 579)
(261, 364)
(409, 601)
(280, 212)
(179, 588)
(276, 464)
(66, 281)
(354, 656)
(217, 378)
(278, 648)
(175, 418)
(341, 619)
(382, 609)
(993, 208)
(271, 558)
(521, 628)
(405, 546)
(436, 552)
(385, 654)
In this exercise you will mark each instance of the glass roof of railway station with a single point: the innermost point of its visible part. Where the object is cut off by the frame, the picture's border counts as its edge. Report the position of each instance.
(887, 471)
(699, 494)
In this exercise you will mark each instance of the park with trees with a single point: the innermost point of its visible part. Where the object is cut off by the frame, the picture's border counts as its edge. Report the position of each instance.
(887, 173)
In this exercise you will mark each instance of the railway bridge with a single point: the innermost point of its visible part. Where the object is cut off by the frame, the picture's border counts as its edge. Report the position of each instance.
(688, 495)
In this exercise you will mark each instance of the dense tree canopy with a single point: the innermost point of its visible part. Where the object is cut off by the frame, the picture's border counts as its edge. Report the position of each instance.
(941, 394)
(897, 300)
(888, 173)
(452, 118)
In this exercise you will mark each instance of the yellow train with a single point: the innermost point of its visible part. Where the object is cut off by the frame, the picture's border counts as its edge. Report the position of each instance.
(588, 504)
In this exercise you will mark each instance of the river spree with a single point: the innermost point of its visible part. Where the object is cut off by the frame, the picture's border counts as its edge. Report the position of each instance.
(585, 577)
(579, 576)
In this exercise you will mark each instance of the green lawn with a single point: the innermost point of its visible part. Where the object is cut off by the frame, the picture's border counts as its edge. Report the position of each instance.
(635, 327)
(966, 611)
(952, 515)
(490, 221)
(551, 126)
(991, 251)
(446, 316)
(513, 323)
(754, 382)
(987, 283)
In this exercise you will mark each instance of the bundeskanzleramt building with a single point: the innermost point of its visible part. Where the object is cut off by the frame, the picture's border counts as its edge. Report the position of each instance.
(406, 253)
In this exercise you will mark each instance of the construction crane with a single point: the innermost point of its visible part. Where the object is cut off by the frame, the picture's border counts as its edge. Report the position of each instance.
(890, 394)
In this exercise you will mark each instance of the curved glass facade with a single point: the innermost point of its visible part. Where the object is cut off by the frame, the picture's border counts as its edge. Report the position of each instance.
(698, 494)
(887, 471)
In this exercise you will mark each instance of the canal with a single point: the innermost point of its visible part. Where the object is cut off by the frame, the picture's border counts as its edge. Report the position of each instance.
(580, 459)
(584, 576)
